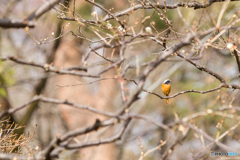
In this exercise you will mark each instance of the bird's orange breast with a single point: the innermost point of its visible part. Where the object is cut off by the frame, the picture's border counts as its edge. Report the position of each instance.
(166, 88)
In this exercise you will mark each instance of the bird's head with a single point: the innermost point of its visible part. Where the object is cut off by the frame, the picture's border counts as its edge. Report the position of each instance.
(167, 81)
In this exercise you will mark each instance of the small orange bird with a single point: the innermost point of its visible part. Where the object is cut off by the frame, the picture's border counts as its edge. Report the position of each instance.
(166, 88)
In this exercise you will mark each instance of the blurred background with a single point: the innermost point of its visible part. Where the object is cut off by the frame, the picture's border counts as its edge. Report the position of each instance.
(19, 83)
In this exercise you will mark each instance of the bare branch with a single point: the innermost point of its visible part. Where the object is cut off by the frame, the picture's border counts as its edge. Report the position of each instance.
(10, 23)
(220, 137)
(45, 7)
(51, 152)
(208, 71)
(116, 64)
(201, 68)
(18, 23)
(211, 139)
(107, 11)
(147, 119)
(125, 45)
(78, 68)
(102, 141)
(13, 110)
(79, 84)
(195, 5)
(56, 101)
(237, 59)
(50, 68)
(55, 142)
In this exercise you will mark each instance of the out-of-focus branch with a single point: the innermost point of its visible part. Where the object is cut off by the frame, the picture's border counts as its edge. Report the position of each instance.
(102, 141)
(208, 112)
(65, 102)
(56, 101)
(116, 64)
(24, 120)
(113, 45)
(205, 135)
(208, 71)
(180, 138)
(237, 59)
(201, 68)
(13, 110)
(147, 119)
(50, 68)
(45, 7)
(55, 142)
(52, 151)
(77, 68)
(14, 156)
(159, 147)
(22, 23)
(196, 156)
(107, 11)
(11, 23)
(79, 84)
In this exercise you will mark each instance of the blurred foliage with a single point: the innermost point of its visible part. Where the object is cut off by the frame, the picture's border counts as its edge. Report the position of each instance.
(6, 78)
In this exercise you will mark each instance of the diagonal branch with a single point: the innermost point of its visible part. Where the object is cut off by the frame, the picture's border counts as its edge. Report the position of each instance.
(13, 110)
(45, 7)
(196, 156)
(107, 11)
(102, 141)
(116, 64)
(22, 23)
(55, 142)
(52, 151)
(208, 71)
(211, 139)
(201, 68)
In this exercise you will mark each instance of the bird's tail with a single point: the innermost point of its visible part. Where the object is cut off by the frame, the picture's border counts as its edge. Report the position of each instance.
(167, 101)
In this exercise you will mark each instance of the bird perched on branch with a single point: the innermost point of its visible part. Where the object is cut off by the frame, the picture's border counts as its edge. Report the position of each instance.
(166, 88)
